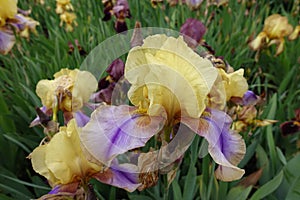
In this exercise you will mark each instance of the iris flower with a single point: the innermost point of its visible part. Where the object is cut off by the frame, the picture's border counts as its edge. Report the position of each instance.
(69, 92)
(119, 9)
(65, 10)
(169, 90)
(276, 27)
(64, 164)
(11, 21)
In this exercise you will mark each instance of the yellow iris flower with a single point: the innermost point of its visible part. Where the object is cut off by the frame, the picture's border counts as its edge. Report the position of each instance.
(69, 90)
(183, 70)
(62, 160)
(8, 9)
(276, 27)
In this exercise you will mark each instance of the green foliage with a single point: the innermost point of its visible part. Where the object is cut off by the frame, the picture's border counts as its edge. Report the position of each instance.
(229, 29)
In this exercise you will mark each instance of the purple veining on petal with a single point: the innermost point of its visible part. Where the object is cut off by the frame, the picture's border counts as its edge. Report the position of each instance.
(124, 176)
(81, 118)
(117, 129)
(226, 147)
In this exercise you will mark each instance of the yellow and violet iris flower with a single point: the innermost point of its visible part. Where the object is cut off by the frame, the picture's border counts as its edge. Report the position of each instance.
(10, 21)
(63, 162)
(69, 92)
(171, 85)
(276, 27)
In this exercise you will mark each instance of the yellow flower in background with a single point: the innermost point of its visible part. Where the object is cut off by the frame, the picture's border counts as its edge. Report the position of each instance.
(69, 19)
(62, 6)
(295, 33)
(183, 72)
(69, 90)
(62, 160)
(8, 9)
(276, 27)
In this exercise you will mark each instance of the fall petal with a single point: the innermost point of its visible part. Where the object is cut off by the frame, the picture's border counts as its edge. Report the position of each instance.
(226, 147)
(114, 130)
(123, 176)
(7, 41)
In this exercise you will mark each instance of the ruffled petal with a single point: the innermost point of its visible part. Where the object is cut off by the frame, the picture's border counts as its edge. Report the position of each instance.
(114, 130)
(226, 147)
(64, 156)
(39, 165)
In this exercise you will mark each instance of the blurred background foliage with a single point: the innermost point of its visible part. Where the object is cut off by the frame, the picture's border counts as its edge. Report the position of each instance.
(272, 161)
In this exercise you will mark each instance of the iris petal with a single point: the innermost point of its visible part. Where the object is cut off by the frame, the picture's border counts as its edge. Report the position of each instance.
(123, 176)
(7, 41)
(114, 130)
(226, 147)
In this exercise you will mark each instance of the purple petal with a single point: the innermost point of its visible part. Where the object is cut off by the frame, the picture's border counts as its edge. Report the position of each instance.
(249, 98)
(226, 147)
(193, 31)
(81, 118)
(116, 69)
(114, 130)
(124, 176)
(68, 188)
(7, 41)
(289, 127)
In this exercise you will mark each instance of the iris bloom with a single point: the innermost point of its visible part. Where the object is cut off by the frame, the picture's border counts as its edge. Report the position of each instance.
(69, 91)
(170, 84)
(11, 21)
(65, 9)
(107, 84)
(276, 27)
(120, 9)
(194, 30)
(64, 164)
(292, 126)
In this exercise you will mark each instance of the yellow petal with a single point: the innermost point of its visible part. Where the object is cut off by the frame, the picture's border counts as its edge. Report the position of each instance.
(277, 26)
(295, 33)
(8, 9)
(65, 159)
(45, 89)
(259, 41)
(85, 85)
(174, 76)
(39, 165)
(234, 83)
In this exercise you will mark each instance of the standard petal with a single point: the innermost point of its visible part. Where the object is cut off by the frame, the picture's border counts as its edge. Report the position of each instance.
(114, 130)
(226, 147)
